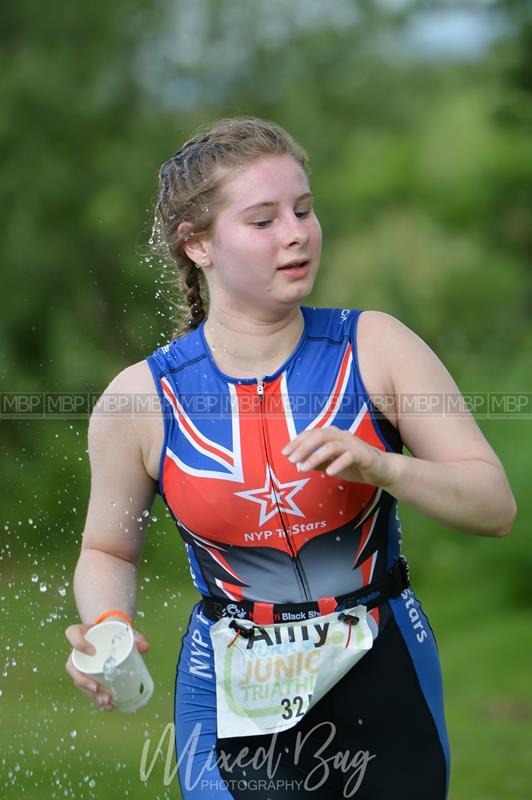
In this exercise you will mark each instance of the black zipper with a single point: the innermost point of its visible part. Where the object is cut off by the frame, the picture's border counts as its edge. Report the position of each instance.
(295, 557)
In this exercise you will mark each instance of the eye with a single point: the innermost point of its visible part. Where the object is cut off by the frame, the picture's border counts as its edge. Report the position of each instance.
(303, 214)
(262, 223)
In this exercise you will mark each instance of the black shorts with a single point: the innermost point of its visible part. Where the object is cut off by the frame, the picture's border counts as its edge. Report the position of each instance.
(378, 734)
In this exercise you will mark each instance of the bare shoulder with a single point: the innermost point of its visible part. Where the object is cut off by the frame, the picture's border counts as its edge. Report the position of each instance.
(388, 345)
(374, 330)
(122, 487)
(134, 379)
(130, 402)
(379, 329)
(390, 340)
(395, 361)
(404, 359)
(402, 363)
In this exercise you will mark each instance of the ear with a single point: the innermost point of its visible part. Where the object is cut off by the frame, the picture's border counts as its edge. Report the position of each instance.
(193, 244)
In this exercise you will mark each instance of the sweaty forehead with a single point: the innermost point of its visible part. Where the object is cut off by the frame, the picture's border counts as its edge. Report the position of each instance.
(264, 180)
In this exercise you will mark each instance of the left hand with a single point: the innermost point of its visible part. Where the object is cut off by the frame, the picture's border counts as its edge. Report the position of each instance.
(340, 454)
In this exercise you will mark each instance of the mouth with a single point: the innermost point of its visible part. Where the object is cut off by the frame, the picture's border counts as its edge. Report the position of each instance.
(295, 266)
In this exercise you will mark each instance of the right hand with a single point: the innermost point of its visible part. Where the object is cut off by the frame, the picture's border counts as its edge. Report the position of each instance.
(97, 693)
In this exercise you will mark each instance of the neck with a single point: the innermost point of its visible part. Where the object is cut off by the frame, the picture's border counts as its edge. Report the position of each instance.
(249, 347)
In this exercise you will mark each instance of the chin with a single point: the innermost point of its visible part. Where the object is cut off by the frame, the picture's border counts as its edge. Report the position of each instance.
(303, 287)
(294, 298)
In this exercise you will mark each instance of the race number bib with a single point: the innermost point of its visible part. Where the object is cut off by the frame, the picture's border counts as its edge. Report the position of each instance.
(268, 676)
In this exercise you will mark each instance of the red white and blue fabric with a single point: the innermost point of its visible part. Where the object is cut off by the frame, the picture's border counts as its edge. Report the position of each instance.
(255, 527)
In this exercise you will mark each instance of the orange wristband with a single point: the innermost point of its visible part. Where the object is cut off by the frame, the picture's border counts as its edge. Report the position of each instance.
(113, 613)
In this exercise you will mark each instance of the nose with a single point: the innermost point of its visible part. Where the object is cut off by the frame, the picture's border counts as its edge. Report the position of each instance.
(294, 230)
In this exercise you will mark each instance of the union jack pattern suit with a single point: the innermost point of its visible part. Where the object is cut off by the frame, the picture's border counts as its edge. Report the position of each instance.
(254, 527)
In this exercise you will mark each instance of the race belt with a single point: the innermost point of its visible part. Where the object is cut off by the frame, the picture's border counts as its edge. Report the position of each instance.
(374, 594)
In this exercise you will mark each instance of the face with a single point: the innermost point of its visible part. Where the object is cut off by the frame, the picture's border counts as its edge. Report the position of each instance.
(266, 223)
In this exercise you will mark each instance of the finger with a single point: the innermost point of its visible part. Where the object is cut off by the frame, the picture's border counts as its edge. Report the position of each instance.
(321, 456)
(343, 461)
(287, 449)
(100, 696)
(81, 680)
(291, 446)
(141, 643)
(309, 441)
(104, 701)
(329, 449)
(362, 459)
(303, 438)
(76, 636)
(311, 434)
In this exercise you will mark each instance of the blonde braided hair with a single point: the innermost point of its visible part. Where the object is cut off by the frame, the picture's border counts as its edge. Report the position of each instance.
(190, 191)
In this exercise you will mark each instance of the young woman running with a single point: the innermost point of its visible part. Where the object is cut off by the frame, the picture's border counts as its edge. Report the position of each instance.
(308, 665)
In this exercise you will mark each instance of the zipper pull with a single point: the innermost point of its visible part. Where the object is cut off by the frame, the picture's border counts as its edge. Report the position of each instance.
(260, 388)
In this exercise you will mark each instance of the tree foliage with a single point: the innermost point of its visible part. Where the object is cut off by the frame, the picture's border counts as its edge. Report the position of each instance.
(420, 167)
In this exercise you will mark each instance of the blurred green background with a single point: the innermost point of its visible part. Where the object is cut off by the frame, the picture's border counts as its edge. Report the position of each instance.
(418, 119)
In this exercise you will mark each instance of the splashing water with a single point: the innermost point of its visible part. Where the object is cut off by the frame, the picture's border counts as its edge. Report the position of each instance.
(109, 667)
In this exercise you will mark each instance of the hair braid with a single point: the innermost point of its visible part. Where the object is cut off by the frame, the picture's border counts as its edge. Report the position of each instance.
(192, 291)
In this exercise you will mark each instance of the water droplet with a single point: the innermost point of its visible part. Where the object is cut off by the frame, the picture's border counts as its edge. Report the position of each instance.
(109, 667)
(34, 578)
(43, 587)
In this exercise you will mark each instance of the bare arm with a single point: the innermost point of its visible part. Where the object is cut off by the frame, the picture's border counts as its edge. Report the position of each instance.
(121, 497)
(120, 500)
(454, 477)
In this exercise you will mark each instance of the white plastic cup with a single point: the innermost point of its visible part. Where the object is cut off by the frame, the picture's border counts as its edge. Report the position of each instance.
(117, 665)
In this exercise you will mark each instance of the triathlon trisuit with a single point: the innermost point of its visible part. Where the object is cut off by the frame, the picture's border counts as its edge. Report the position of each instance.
(257, 529)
